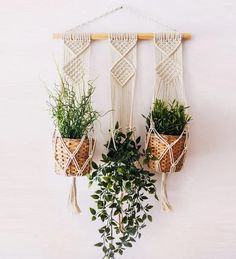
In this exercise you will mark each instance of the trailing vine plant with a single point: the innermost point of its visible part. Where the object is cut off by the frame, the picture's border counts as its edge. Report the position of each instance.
(122, 195)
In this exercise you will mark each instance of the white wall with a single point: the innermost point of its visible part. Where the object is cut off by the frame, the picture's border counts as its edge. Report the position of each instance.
(34, 220)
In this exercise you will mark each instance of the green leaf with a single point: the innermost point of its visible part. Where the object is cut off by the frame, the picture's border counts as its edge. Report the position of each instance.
(100, 204)
(93, 211)
(117, 125)
(111, 246)
(150, 218)
(99, 244)
(94, 165)
(116, 212)
(93, 218)
(94, 196)
(128, 185)
(123, 239)
(104, 157)
(138, 140)
(149, 207)
(101, 230)
(94, 174)
(124, 220)
(127, 244)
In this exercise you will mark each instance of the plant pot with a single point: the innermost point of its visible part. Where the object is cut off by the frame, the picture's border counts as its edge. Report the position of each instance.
(62, 156)
(158, 147)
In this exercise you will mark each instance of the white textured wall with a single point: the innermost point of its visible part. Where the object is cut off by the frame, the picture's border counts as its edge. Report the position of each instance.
(34, 221)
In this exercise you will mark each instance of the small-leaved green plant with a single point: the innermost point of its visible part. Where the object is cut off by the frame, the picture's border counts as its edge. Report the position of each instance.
(73, 113)
(121, 198)
(168, 118)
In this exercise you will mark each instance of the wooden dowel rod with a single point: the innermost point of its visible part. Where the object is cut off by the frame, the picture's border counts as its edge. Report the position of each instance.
(104, 36)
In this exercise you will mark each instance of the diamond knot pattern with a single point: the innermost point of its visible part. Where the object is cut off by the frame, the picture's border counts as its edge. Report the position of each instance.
(122, 71)
(168, 70)
(75, 69)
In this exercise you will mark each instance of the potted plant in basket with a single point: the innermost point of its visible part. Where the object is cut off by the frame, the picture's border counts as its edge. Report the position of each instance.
(167, 135)
(74, 118)
(121, 198)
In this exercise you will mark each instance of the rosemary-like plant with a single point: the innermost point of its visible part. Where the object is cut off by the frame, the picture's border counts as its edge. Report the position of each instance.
(121, 197)
(168, 118)
(73, 113)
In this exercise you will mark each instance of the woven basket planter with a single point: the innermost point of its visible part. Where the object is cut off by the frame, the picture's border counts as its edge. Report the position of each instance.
(158, 147)
(62, 156)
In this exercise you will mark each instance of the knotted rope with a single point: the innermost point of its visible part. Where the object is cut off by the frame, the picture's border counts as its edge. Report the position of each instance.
(75, 73)
(168, 87)
(122, 76)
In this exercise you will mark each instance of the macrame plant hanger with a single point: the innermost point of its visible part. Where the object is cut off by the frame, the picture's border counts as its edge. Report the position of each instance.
(168, 87)
(122, 71)
(73, 157)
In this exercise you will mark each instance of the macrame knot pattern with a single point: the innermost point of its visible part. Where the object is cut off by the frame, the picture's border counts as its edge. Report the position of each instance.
(76, 48)
(168, 69)
(169, 150)
(122, 71)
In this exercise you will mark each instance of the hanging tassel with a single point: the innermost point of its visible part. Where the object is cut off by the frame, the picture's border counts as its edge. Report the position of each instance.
(72, 202)
(165, 205)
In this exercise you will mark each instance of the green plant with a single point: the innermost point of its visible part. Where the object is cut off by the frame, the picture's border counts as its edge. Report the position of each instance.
(122, 191)
(168, 118)
(72, 112)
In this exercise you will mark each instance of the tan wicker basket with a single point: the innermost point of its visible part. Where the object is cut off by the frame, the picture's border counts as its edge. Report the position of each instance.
(61, 155)
(158, 147)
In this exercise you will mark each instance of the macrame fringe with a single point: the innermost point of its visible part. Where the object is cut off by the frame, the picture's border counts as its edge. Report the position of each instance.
(72, 202)
(165, 205)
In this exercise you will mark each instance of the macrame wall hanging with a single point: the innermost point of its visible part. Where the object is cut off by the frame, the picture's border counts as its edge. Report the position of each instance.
(73, 156)
(72, 159)
(122, 75)
(169, 149)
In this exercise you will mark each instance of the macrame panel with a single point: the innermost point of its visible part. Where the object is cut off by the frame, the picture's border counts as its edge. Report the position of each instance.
(169, 67)
(169, 150)
(168, 87)
(122, 75)
(73, 156)
(76, 58)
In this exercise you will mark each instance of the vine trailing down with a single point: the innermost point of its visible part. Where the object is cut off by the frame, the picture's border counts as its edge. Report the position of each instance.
(122, 194)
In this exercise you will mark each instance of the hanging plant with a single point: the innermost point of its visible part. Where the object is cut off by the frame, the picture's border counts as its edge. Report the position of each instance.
(166, 124)
(121, 198)
(74, 117)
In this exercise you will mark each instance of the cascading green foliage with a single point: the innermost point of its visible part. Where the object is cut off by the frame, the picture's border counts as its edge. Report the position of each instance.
(168, 118)
(74, 116)
(122, 191)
